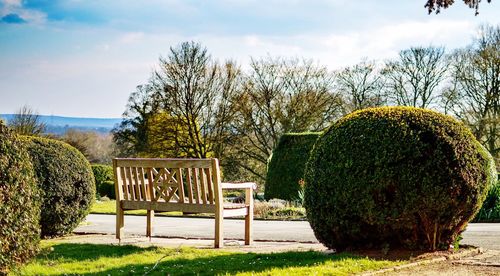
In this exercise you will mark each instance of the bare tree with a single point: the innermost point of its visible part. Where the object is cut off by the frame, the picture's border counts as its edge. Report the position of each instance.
(280, 96)
(437, 5)
(26, 122)
(415, 77)
(97, 148)
(361, 86)
(197, 91)
(476, 87)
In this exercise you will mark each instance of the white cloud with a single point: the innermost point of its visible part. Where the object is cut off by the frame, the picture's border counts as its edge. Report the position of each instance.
(16, 7)
(11, 3)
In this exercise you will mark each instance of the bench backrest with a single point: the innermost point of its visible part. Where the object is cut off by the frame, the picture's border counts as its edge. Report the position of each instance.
(175, 180)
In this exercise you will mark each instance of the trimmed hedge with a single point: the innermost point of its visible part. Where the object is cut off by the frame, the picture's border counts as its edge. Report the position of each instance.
(103, 175)
(287, 163)
(19, 203)
(395, 176)
(66, 183)
(107, 188)
(490, 211)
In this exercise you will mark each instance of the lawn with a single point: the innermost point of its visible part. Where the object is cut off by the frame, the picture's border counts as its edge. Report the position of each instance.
(109, 207)
(90, 259)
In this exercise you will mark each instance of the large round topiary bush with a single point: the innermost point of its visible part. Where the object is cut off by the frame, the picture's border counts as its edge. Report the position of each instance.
(66, 183)
(395, 176)
(19, 203)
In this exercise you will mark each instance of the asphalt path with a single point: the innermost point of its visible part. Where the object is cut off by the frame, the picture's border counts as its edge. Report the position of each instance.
(486, 235)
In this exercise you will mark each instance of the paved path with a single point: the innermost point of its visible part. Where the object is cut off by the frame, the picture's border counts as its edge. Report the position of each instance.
(202, 228)
(486, 235)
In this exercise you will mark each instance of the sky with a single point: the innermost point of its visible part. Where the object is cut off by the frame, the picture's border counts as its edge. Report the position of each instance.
(83, 58)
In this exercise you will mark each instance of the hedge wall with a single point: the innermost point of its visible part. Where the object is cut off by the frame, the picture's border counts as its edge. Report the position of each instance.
(287, 163)
(103, 175)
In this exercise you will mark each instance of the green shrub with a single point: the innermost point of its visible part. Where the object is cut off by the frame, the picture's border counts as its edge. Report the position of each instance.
(19, 203)
(395, 176)
(286, 165)
(66, 184)
(103, 175)
(107, 188)
(490, 211)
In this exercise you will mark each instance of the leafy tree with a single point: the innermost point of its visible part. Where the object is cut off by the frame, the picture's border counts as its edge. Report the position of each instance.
(26, 122)
(131, 135)
(437, 5)
(280, 96)
(361, 86)
(474, 96)
(164, 134)
(413, 79)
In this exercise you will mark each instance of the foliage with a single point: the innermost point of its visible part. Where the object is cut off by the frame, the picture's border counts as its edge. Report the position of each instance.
(286, 165)
(195, 106)
(66, 182)
(197, 92)
(26, 122)
(167, 137)
(103, 175)
(395, 175)
(194, 92)
(131, 136)
(19, 203)
(490, 211)
(107, 188)
(89, 259)
(437, 5)
(97, 148)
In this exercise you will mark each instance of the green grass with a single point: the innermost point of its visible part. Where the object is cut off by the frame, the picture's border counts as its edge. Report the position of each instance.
(109, 207)
(91, 259)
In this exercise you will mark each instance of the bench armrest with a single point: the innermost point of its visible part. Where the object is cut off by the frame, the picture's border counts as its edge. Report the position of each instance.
(243, 185)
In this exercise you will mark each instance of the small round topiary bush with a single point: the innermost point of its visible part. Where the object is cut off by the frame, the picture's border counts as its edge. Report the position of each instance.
(66, 184)
(286, 165)
(395, 176)
(19, 203)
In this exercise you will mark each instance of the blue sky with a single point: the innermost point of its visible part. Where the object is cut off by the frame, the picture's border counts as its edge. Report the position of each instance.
(84, 57)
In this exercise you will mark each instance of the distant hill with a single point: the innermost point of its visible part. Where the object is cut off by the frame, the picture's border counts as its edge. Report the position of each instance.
(60, 124)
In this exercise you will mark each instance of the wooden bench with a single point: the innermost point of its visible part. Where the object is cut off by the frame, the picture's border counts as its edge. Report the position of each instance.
(186, 185)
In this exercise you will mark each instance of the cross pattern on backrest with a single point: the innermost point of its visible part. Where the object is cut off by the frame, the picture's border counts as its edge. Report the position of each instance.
(166, 184)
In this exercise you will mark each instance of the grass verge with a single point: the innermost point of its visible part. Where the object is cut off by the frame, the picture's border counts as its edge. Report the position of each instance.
(90, 259)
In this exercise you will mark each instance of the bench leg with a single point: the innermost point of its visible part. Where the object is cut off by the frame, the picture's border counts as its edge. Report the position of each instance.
(248, 225)
(249, 216)
(219, 230)
(149, 226)
(120, 221)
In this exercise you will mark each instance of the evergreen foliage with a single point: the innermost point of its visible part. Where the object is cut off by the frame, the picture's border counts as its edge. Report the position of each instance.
(19, 203)
(66, 183)
(287, 163)
(395, 176)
